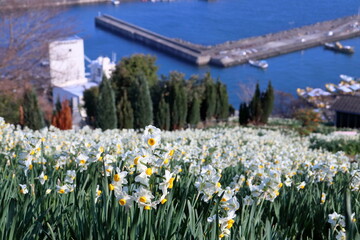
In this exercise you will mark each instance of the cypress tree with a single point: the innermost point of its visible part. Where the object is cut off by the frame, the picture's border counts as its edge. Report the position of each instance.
(194, 111)
(141, 103)
(58, 105)
(255, 106)
(208, 104)
(222, 102)
(244, 114)
(125, 113)
(178, 104)
(163, 115)
(90, 104)
(106, 110)
(267, 103)
(33, 117)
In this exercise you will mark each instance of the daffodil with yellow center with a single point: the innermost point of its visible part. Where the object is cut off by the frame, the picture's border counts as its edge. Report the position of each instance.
(111, 187)
(142, 199)
(136, 160)
(151, 141)
(101, 149)
(163, 201)
(62, 191)
(171, 183)
(230, 223)
(149, 171)
(122, 202)
(116, 177)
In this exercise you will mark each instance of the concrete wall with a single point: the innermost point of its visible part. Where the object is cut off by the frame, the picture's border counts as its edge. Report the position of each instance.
(149, 38)
(66, 58)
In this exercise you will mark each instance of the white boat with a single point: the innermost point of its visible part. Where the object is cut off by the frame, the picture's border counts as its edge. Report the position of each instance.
(260, 64)
(331, 87)
(346, 78)
(115, 2)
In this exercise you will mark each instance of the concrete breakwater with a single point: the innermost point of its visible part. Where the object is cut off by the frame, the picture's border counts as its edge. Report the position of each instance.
(176, 47)
(239, 52)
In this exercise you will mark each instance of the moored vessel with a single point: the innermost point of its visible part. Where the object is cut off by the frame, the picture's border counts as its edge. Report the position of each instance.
(260, 64)
(338, 47)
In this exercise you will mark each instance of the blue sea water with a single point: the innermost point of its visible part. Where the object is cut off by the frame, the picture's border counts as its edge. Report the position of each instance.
(213, 22)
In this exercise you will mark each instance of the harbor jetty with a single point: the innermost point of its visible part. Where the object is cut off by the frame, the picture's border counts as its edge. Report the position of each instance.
(241, 51)
(176, 47)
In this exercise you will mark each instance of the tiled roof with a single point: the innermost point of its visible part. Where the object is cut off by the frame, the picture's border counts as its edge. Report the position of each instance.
(347, 103)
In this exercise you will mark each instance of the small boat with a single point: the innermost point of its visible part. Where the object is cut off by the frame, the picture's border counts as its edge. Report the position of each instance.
(338, 47)
(260, 64)
(331, 87)
(115, 2)
(346, 78)
(345, 90)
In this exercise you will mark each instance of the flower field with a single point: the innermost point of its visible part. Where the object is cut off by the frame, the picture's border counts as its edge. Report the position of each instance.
(221, 183)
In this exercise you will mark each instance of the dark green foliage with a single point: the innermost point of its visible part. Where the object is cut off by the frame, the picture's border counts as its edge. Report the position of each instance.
(194, 111)
(58, 105)
(222, 102)
(259, 108)
(163, 115)
(231, 110)
(126, 72)
(267, 102)
(255, 106)
(105, 110)
(244, 114)
(125, 113)
(90, 98)
(9, 109)
(208, 105)
(33, 116)
(141, 102)
(177, 101)
(129, 76)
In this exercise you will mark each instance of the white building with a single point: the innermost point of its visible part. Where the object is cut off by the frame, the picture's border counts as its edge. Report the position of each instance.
(66, 59)
(67, 71)
(99, 67)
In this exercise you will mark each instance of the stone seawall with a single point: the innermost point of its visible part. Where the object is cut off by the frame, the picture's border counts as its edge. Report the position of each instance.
(175, 47)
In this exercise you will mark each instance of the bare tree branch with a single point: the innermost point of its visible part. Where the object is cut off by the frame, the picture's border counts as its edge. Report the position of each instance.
(25, 36)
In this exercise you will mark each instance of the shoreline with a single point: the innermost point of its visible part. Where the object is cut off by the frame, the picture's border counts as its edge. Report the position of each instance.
(60, 3)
